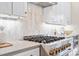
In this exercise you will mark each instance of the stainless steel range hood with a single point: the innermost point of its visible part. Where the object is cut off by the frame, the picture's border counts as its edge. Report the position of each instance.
(44, 4)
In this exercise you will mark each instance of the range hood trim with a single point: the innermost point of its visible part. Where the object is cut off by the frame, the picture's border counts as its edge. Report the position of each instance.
(44, 4)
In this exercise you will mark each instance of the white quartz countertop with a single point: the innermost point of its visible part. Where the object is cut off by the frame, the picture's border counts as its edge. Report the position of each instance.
(17, 45)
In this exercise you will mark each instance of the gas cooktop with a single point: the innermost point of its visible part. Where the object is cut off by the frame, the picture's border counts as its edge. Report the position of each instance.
(42, 39)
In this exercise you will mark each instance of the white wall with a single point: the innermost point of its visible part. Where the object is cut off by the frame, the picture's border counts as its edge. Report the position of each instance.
(75, 16)
(13, 29)
(48, 29)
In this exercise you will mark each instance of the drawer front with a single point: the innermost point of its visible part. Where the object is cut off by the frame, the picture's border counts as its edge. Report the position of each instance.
(33, 52)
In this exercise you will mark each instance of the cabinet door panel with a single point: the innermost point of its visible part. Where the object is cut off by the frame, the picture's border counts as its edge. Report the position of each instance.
(5, 7)
(58, 14)
(32, 52)
(19, 8)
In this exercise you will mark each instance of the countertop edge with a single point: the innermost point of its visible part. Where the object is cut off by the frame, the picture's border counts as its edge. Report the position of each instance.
(19, 51)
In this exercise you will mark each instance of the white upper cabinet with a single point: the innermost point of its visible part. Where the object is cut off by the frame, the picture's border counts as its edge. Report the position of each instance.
(5, 8)
(59, 14)
(13, 8)
(19, 8)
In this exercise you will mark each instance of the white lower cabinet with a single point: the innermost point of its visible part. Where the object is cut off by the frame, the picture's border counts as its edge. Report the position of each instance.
(32, 52)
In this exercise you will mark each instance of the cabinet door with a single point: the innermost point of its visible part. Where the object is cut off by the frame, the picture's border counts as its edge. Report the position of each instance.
(5, 8)
(67, 13)
(19, 8)
(58, 14)
(32, 52)
(49, 15)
